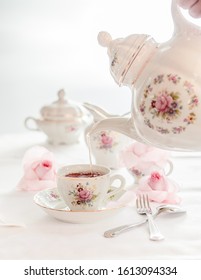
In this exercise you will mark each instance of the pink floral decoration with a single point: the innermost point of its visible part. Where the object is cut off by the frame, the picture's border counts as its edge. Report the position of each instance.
(159, 188)
(143, 159)
(106, 140)
(39, 167)
(85, 195)
(163, 102)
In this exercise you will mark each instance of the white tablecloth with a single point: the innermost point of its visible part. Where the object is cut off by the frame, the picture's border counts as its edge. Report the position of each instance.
(47, 238)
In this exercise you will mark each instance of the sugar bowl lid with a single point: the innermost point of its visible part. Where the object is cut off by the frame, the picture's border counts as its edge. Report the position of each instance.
(62, 109)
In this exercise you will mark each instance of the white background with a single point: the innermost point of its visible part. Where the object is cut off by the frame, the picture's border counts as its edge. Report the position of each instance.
(46, 45)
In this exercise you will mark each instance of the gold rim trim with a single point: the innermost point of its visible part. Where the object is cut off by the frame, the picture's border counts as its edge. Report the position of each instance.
(78, 211)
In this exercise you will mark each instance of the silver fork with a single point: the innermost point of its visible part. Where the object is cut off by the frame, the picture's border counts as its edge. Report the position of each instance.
(143, 207)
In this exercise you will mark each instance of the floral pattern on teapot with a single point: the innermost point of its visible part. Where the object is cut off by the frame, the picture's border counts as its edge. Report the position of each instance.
(166, 105)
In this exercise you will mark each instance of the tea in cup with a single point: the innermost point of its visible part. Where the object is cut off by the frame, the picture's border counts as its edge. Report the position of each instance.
(86, 187)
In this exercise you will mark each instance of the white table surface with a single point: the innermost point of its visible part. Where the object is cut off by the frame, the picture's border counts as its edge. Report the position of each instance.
(47, 238)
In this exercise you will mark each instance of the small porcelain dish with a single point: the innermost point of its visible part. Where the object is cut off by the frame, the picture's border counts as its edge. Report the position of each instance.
(50, 201)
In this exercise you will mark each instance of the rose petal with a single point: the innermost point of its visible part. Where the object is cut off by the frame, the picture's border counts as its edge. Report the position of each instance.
(35, 185)
(39, 169)
(161, 191)
(144, 157)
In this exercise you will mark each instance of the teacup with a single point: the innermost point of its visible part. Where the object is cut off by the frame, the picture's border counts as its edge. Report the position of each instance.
(141, 160)
(84, 187)
(139, 172)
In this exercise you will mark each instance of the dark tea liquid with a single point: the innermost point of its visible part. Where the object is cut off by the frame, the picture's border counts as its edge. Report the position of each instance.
(84, 174)
(89, 173)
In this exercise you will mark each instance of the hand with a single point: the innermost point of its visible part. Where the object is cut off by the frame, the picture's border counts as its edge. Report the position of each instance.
(193, 6)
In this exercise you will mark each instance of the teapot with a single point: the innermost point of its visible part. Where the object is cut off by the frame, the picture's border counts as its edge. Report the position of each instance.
(63, 121)
(165, 81)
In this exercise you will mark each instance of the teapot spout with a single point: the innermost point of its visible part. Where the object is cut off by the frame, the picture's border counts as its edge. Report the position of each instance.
(122, 125)
(97, 112)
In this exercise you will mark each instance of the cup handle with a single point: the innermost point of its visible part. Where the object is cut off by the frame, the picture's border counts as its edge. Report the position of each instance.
(27, 121)
(170, 168)
(118, 189)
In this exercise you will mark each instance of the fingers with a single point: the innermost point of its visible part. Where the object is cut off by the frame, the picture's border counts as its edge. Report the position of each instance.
(195, 10)
(193, 6)
(187, 4)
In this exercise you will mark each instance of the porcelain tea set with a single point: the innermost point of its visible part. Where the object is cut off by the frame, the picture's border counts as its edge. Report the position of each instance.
(165, 80)
(82, 194)
(51, 202)
(63, 121)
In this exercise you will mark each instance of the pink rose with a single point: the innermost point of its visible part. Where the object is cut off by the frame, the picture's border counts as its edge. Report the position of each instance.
(163, 102)
(39, 170)
(142, 159)
(159, 188)
(85, 195)
(106, 140)
(156, 181)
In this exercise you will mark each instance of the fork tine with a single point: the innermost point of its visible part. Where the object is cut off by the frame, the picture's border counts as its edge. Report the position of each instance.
(144, 201)
(147, 200)
(139, 203)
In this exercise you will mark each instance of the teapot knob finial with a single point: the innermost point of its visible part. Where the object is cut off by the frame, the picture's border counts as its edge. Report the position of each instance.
(104, 38)
(61, 96)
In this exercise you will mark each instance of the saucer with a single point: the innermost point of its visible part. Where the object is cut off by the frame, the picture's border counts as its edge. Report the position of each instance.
(50, 201)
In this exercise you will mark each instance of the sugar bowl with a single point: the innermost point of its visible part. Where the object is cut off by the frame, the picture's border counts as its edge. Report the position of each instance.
(63, 121)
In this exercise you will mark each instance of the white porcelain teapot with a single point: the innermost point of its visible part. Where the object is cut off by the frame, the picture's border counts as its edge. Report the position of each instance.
(63, 121)
(165, 80)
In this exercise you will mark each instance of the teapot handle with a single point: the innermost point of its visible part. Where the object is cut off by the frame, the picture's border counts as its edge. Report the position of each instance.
(181, 24)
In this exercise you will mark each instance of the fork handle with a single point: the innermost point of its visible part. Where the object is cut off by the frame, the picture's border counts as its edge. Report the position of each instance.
(121, 229)
(155, 234)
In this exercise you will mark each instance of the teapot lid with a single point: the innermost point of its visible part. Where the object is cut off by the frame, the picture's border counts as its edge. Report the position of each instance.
(124, 52)
(62, 109)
